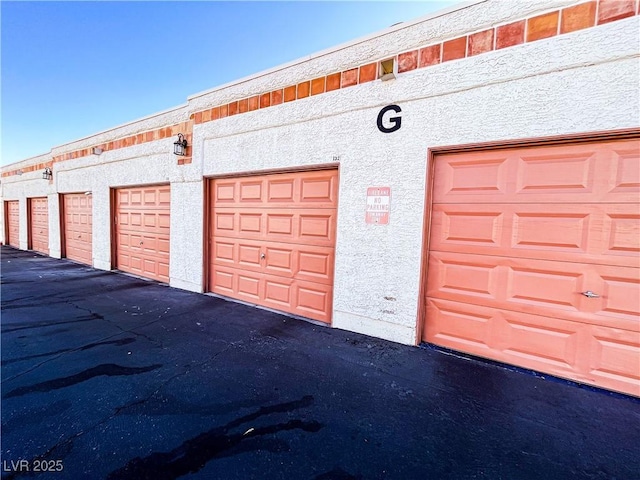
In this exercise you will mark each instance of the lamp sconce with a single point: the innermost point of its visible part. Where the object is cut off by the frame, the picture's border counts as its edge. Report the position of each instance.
(96, 150)
(19, 172)
(180, 146)
(47, 174)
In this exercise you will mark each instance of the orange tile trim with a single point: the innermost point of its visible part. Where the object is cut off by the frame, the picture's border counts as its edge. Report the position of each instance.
(546, 25)
(541, 26)
(186, 128)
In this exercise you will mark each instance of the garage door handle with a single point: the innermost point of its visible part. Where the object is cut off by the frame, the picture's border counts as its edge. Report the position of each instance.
(262, 256)
(590, 294)
(140, 243)
(79, 236)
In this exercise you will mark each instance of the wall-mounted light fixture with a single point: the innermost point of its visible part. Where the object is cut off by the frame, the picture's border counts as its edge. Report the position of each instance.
(180, 146)
(47, 174)
(19, 172)
(96, 150)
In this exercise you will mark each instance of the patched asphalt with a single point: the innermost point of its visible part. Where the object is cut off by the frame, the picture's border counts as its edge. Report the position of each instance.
(107, 376)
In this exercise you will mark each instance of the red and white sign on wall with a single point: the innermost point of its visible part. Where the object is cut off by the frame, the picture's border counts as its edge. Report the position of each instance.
(378, 205)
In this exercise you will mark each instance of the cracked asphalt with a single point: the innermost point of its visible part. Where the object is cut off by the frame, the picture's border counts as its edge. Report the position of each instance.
(106, 376)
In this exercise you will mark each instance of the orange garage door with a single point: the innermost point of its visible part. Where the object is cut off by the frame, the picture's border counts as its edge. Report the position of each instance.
(271, 240)
(39, 224)
(142, 231)
(13, 223)
(534, 259)
(78, 227)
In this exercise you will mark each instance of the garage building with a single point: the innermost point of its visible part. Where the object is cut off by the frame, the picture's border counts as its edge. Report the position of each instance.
(469, 179)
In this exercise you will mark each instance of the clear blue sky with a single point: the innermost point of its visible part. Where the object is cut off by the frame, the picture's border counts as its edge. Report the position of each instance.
(72, 69)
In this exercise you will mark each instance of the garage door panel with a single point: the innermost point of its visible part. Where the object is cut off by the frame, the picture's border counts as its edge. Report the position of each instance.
(281, 190)
(308, 226)
(620, 294)
(561, 231)
(272, 240)
(143, 225)
(164, 222)
(460, 326)
(134, 262)
(314, 300)
(224, 193)
(163, 269)
(164, 197)
(124, 240)
(531, 341)
(249, 286)
(540, 287)
(163, 246)
(555, 171)
(596, 355)
(626, 171)
(305, 262)
(621, 232)
(607, 234)
(602, 172)
(462, 176)
(287, 190)
(250, 223)
(614, 359)
(149, 220)
(545, 285)
(250, 191)
(124, 260)
(470, 276)
(455, 225)
(279, 292)
(13, 221)
(279, 260)
(281, 225)
(249, 256)
(222, 280)
(316, 265)
(534, 259)
(307, 299)
(542, 340)
(224, 252)
(224, 223)
(317, 227)
(319, 188)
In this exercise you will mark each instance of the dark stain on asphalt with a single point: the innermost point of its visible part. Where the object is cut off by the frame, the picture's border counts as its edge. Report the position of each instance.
(165, 404)
(195, 453)
(32, 325)
(106, 369)
(131, 285)
(119, 343)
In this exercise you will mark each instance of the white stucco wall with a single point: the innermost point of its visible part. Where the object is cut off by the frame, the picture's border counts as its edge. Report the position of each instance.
(578, 82)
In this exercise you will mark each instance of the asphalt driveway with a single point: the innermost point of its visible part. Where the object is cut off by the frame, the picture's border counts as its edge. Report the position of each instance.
(106, 376)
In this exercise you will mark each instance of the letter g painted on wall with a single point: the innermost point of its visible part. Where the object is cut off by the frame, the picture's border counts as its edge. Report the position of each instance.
(395, 121)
